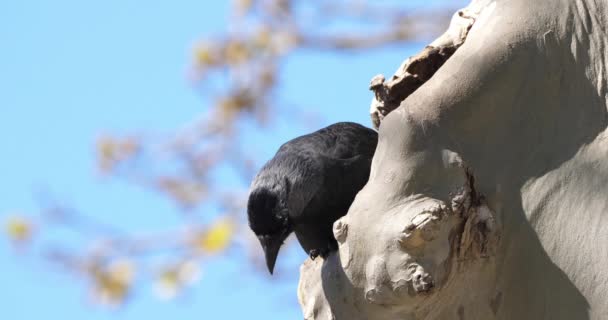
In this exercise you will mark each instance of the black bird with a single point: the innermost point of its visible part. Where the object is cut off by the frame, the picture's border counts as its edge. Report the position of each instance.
(310, 183)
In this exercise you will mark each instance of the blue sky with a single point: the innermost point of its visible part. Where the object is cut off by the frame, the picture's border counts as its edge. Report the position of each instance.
(70, 70)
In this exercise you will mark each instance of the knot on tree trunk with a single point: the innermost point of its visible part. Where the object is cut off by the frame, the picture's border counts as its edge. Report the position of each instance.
(402, 261)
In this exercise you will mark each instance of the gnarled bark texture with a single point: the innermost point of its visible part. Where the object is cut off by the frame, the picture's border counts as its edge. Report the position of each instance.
(488, 195)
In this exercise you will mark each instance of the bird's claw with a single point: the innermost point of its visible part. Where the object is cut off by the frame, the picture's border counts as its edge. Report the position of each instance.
(314, 253)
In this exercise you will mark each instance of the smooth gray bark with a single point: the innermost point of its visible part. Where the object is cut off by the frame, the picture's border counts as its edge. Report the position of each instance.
(488, 196)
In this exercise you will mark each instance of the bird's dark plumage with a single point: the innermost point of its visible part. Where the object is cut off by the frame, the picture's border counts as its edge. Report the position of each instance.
(310, 183)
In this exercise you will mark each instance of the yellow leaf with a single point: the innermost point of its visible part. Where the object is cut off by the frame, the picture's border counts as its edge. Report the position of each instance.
(122, 271)
(236, 52)
(172, 279)
(216, 238)
(168, 284)
(19, 229)
(112, 284)
(112, 151)
(205, 55)
(263, 38)
(169, 277)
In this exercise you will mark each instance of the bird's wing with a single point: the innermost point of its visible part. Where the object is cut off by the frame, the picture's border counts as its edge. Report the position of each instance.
(351, 141)
(341, 140)
(305, 176)
(323, 181)
(343, 178)
(351, 172)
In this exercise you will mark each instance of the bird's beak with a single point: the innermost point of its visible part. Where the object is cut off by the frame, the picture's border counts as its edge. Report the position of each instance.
(271, 246)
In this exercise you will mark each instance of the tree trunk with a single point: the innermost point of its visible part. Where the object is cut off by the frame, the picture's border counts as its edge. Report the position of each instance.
(488, 194)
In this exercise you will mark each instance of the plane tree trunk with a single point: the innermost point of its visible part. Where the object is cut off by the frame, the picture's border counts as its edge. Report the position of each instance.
(488, 194)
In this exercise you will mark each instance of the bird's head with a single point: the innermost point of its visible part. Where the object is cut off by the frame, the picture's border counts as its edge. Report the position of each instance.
(269, 219)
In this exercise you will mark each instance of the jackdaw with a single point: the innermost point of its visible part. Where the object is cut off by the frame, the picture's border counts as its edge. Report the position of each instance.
(310, 183)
